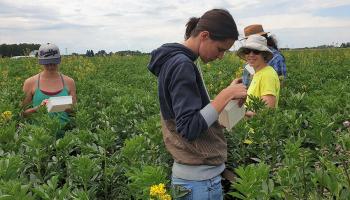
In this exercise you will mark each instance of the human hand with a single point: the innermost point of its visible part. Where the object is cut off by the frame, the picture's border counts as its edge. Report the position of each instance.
(44, 102)
(250, 114)
(237, 81)
(237, 91)
(241, 101)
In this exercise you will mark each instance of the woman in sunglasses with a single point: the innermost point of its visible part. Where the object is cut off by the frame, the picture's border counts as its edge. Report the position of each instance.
(277, 62)
(265, 83)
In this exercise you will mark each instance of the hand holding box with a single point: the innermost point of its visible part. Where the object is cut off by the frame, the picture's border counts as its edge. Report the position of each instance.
(59, 104)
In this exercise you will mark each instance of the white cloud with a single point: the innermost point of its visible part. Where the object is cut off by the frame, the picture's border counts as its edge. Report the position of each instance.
(318, 4)
(301, 20)
(146, 24)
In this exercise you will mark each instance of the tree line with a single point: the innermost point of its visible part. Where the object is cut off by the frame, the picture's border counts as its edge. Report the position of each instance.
(23, 49)
(90, 53)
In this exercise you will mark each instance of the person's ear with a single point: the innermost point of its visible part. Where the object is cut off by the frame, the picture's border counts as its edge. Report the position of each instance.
(204, 35)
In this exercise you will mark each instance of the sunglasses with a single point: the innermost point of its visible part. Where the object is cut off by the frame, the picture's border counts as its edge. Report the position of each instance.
(247, 51)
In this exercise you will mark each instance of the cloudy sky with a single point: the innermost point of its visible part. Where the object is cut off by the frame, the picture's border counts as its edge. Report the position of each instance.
(78, 25)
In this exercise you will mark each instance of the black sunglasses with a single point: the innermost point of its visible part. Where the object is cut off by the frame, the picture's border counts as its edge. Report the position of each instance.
(247, 51)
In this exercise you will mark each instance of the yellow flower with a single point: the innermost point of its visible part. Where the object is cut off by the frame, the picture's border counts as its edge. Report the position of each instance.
(247, 141)
(7, 115)
(251, 130)
(239, 72)
(157, 190)
(166, 197)
(211, 86)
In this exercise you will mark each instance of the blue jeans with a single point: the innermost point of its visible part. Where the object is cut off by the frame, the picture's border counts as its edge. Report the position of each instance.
(210, 189)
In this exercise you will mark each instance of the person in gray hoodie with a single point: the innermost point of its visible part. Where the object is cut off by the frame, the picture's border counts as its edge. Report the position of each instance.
(190, 127)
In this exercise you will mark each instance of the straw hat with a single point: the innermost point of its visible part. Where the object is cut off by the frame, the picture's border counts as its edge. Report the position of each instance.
(254, 29)
(255, 42)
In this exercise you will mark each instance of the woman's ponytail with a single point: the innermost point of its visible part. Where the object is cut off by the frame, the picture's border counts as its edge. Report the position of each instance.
(190, 26)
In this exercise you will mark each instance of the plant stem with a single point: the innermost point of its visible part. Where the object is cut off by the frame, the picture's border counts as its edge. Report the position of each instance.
(345, 166)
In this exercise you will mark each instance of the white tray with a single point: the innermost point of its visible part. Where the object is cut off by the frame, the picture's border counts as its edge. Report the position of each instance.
(59, 104)
(231, 114)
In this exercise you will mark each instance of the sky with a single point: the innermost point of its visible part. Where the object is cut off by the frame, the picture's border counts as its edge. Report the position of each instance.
(116, 25)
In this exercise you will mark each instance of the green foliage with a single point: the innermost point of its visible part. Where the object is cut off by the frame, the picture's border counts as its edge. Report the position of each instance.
(116, 132)
(142, 179)
(84, 171)
(255, 104)
(134, 151)
(51, 190)
(10, 167)
(8, 137)
(295, 173)
(14, 190)
(254, 183)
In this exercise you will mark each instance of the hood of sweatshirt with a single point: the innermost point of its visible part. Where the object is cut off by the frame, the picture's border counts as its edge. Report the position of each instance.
(162, 54)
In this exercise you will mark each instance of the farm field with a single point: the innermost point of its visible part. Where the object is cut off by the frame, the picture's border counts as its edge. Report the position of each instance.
(113, 148)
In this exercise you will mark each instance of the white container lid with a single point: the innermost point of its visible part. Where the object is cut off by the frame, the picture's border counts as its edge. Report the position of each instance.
(59, 104)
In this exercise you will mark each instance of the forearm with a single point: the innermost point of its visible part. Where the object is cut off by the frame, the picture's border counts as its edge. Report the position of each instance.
(221, 100)
(269, 100)
(29, 111)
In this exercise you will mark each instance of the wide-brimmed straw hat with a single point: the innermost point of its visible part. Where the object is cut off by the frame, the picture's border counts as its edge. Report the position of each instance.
(254, 29)
(255, 42)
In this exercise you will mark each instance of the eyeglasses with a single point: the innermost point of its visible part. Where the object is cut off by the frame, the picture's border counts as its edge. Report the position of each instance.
(247, 51)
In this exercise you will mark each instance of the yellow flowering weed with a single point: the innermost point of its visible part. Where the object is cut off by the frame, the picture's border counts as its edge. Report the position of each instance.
(7, 115)
(159, 192)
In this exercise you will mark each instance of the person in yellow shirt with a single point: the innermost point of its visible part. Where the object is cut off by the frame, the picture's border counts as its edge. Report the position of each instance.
(265, 83)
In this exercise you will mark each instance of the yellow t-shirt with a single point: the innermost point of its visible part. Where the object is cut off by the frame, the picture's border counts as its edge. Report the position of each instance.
(265, 82)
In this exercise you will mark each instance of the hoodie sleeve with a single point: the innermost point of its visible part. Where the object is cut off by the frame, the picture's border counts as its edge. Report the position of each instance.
(187, 102)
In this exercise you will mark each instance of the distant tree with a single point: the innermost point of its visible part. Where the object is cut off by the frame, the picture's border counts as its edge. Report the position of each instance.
(23, 49)
(101, 53)
(128, 53)
(345, 45)
(89, 53)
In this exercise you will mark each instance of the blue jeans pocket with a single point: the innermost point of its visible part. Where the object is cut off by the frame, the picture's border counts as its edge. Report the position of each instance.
(182, 192)
(216, 190)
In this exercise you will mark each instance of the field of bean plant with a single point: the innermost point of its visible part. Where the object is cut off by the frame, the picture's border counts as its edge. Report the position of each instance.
(113, 147)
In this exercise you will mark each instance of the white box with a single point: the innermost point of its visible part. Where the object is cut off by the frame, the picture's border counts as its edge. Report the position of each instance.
(231, 114)
(250, 69)
(59, 104)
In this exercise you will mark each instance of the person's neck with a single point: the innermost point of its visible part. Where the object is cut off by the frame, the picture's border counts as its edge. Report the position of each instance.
(50, 74)
(260, 67)
(192, 44)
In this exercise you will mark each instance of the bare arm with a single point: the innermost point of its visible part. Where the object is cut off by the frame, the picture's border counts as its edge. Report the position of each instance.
(269, 100)
(72, 92)
(27, 89)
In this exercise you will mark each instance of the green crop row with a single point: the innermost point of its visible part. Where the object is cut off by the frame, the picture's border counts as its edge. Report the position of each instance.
(113, 147)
